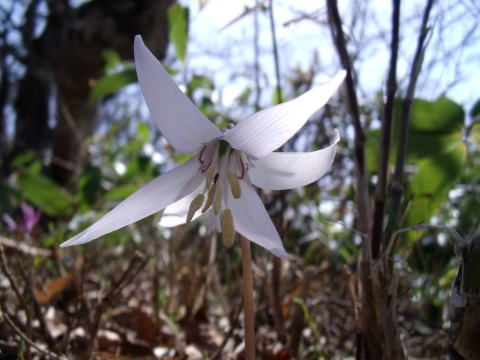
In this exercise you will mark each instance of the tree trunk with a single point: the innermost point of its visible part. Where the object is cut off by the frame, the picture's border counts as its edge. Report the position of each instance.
(69, 57)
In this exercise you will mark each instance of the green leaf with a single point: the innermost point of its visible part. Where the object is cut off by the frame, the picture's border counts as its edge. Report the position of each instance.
(178, 17)
(120, 192)
(90, 185)
(430, 185)
(112, 60)
(441, 116)
(278, 95)
(200, 82)
(46, 195)
(110, 84)
(436, 127)
(143, 132)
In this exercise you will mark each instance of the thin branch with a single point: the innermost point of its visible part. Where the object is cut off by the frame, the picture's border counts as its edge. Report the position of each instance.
(234, 317)
(256, 55)
(27, 340)
(397, 181)
(461, 242)
(13, 283)
(381, 189)
(278, 87)
(139, 261)
(36, 306)
(336, 30)
(24, 248)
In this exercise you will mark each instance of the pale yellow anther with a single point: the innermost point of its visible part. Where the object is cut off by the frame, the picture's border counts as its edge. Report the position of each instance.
(217, 202)
(228, 229)
(210, 197)
(210, 176)
(234, 185)
(194, 206)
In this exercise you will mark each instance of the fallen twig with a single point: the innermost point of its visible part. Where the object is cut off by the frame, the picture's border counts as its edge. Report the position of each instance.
(27, 340)
(25, 248)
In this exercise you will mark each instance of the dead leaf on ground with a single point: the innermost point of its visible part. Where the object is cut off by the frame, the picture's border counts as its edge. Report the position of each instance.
(56, 286)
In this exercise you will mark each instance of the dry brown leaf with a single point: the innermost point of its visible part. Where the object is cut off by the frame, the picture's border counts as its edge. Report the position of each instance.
(144, 326)
(54, 287)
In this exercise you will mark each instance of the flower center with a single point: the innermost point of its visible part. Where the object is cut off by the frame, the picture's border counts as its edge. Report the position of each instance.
(223, 168)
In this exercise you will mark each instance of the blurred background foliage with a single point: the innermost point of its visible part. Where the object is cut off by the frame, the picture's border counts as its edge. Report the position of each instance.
(76, 139)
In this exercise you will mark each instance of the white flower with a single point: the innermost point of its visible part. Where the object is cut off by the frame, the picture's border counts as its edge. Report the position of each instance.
(218, 179)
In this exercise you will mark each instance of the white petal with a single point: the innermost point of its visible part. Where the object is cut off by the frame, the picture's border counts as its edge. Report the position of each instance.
(176, 214)
(179, 120)
(149, 199)
(253, 222)
(283, 170)
(269, 129)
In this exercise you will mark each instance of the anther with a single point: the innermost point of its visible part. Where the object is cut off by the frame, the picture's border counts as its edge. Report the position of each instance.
(194, 206)
(228, 229)
(210, 197)
(234, 185)
(215, 178)
(217, 202)
(210, 175)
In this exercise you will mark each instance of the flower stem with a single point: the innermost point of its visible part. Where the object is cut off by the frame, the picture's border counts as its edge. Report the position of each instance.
(248, 315)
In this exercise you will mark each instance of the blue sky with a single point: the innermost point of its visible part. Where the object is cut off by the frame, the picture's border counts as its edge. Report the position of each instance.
(227, 55)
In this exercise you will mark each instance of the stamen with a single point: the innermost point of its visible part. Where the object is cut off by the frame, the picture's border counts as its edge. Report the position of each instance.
(194, 206)
(210, 175)
(228, 229)
(234, 185)
(210, 197)
(217, 203)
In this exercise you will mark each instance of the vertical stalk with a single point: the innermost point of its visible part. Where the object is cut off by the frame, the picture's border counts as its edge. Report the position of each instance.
(397, 182)
(278, 88)
(361, 189)
(381, 189)
(256, 54)
(248, 314)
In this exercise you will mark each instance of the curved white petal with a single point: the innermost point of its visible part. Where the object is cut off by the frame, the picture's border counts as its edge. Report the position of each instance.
(179, 120)
(284, 170)
(253, 222)
(152, 197)
(269, 129)
(176, 214)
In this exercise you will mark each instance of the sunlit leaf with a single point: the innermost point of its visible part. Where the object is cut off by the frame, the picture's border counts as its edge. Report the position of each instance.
(430, 185)
(143, 132)
(178, 24)
(44, 194)
(110, 84)
(436, 127)
(120, 192)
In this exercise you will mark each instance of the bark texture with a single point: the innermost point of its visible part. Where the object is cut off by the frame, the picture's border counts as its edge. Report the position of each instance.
(62, 64)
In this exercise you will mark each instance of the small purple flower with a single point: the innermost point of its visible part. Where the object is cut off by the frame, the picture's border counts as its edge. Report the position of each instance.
(30, 218)
(11, 224)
